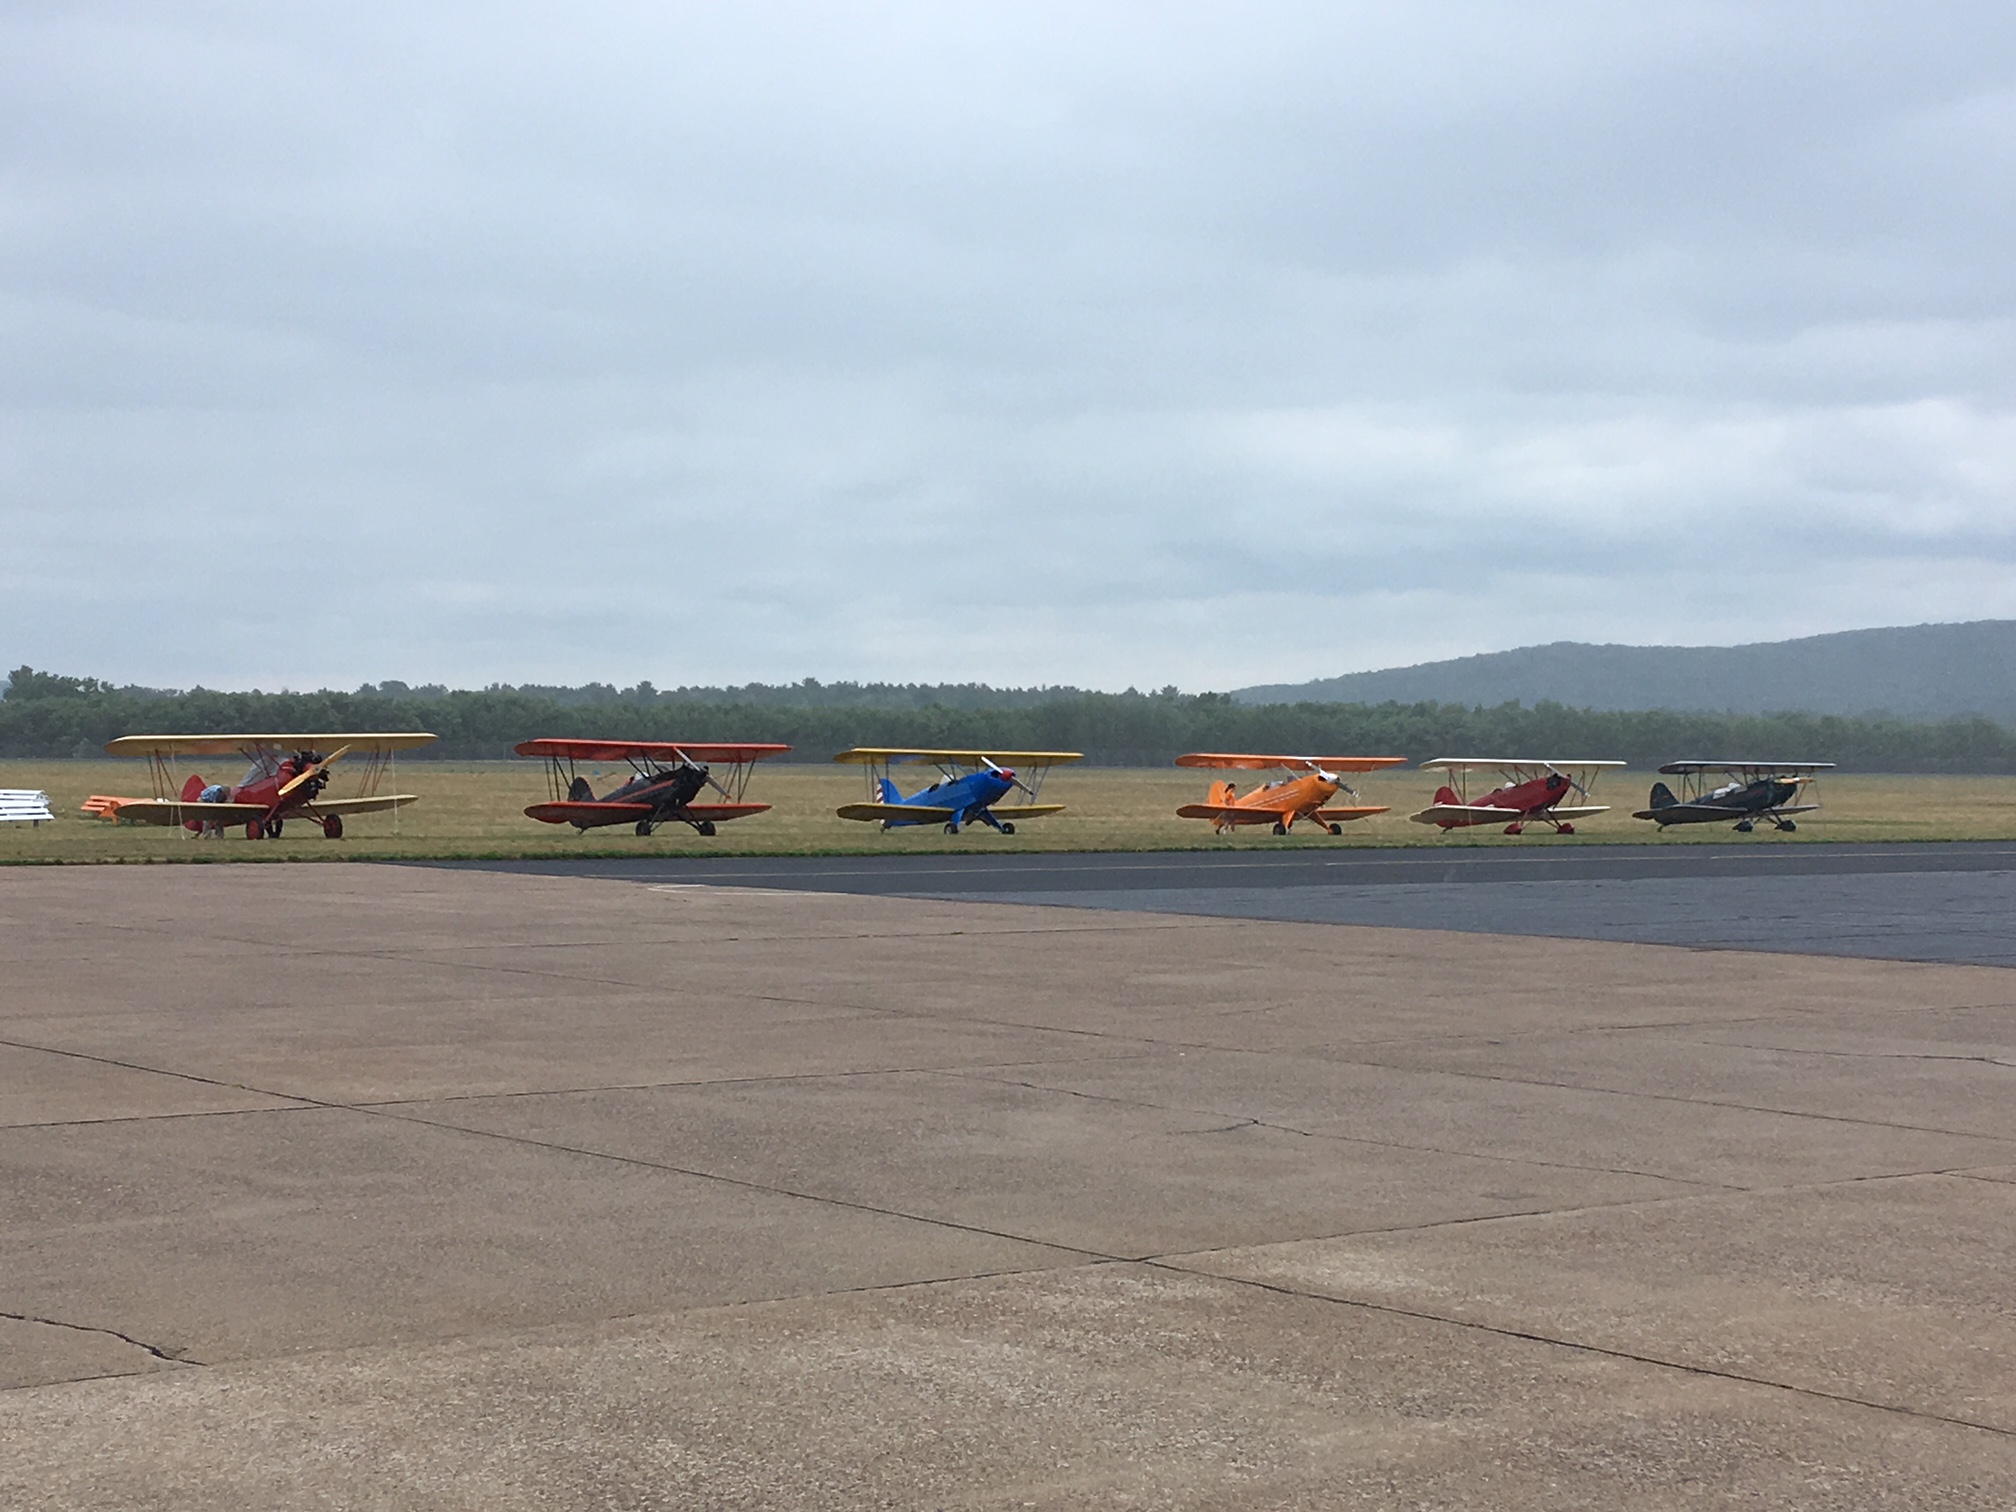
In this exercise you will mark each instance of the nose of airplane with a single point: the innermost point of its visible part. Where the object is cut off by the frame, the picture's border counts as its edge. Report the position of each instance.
(1005, 773)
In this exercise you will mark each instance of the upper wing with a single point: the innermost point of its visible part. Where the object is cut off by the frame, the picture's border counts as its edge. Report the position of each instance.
(1255, 763)
(1536, 763)
(734, 753)
(919, 813)
(1686, 768)
(229, 745)
(898, 755)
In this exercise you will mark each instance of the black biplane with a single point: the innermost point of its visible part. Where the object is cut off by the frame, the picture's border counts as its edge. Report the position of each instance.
(1753, 790)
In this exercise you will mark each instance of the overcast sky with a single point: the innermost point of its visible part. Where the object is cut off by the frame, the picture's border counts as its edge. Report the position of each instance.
(1095, 344)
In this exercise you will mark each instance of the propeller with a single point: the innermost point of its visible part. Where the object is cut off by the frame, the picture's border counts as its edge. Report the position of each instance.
(314, 771)
(706, 776)
(1014, 781)
(1567, 779)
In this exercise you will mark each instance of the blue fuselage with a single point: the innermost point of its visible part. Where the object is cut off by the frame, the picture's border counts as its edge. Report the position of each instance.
(969, 797)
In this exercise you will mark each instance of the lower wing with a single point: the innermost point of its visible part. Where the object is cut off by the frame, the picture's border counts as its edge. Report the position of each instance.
(347, 805)
(1339, 815)
(896, 813)
(1233, 813)
(1455, 814)
(1708, 813)
(588, 815)
(173, 811)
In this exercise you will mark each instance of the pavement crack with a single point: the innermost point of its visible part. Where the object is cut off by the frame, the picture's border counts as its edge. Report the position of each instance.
(1584, 1346)
(167, 1356)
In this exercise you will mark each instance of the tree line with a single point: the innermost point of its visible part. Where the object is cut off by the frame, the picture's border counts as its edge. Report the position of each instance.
(46, 715)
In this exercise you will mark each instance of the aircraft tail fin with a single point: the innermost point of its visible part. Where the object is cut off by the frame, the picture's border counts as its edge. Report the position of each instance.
(192, 790)
(578, 791)
(890, 792)
(1662, 796)
(1446, 795)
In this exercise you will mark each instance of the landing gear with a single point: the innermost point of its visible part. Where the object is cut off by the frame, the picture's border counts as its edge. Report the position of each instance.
(952, 829)
(1744, 826)
(273, 828)
(1336, 829)
(332, 826)
(704, 827)
(1564, 829)
(645, 826)
(1515, 829)
(1787, 825)
(254, 829)
(1007, 826)
(1280, 828)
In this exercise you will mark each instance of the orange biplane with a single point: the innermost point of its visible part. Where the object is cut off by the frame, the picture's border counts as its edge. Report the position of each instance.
(667, 777)
(1305, 793)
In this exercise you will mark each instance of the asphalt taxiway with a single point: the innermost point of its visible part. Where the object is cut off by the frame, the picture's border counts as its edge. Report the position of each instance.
(1943, 901)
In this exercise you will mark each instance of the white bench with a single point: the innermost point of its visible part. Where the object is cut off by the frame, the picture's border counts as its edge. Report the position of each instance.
(23, 805)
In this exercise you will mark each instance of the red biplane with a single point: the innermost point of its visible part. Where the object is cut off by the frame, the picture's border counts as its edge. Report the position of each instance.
(1529, 792)
(286, 780)
(1305, 793)
(669, 775)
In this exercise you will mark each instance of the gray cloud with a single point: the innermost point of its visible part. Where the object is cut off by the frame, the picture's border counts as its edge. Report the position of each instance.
(1122, 345)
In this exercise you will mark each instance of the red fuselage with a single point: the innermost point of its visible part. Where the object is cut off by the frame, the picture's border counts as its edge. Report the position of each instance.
(1534, 797)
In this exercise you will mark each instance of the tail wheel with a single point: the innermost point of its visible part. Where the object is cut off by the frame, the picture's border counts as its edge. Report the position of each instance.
(254, 829)
(332, 827)
(273, 828)
(1007, 827)
(1280, 828)
(705, 827)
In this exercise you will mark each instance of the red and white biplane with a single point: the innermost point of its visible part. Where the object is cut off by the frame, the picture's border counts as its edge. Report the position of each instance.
(667, 777)
(1528, 792)
(1304, 793)
(286, 780)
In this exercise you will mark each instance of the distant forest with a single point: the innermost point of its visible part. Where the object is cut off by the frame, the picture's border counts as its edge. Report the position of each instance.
(46, 715)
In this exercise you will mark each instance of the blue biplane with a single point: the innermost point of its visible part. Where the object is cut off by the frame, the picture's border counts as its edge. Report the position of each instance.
(970, 786)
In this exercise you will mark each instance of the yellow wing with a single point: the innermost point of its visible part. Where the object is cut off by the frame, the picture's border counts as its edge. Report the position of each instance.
(174, 811)
(229, 745)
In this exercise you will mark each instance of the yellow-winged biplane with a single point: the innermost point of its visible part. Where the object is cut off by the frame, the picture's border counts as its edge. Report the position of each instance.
(1303, 793)
(969, 785)
(286, 779)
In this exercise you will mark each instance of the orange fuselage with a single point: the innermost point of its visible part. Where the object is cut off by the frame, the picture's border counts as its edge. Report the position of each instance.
(1291, 796)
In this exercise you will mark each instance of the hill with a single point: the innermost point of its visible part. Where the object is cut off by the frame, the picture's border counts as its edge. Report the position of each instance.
(1911, 672)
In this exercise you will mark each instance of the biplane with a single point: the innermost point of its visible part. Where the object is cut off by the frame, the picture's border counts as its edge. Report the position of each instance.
(970, 785)
(1528, 792)
(667, 779)
(1303, 792)
(1754, 790)
(288, 778)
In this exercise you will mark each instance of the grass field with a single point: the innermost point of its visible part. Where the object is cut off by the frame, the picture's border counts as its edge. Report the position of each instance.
(475, 809)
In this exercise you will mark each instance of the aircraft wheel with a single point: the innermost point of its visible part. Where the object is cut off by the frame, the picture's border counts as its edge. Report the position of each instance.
(254, 829)
(1787, 825)
(1007, 827)
(1566, 829)
(1744, 826)
(332, 827)
(1336, 829)
(705, 826)
(273, 828)
(1515, 829)
(1280, 828)
(644, 826)
(951, 829)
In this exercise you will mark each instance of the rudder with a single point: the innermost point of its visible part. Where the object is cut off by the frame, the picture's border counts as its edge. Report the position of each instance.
(1662, 796)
